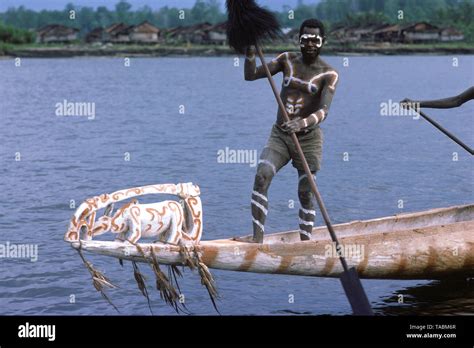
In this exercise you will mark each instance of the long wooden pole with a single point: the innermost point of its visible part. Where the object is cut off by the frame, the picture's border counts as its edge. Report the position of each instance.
(446, 132)
(353, 287)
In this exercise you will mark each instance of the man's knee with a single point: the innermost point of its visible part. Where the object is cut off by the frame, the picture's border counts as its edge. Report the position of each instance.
(263, 178)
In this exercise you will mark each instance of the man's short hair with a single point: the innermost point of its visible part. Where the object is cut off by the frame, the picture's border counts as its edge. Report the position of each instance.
(312, 23)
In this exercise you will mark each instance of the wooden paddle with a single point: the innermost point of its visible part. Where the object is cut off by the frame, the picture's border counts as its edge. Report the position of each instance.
(248, 24)
(442, 129)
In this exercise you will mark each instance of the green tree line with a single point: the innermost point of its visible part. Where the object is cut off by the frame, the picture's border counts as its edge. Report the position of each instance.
(13, 35)
(456, 13)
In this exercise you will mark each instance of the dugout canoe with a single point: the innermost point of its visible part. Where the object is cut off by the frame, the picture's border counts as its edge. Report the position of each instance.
(432, 244)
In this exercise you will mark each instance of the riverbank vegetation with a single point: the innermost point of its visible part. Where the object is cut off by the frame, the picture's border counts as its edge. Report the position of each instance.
(443, 13)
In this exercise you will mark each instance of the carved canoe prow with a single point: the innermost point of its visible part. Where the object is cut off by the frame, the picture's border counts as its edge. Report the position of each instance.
(433, 244)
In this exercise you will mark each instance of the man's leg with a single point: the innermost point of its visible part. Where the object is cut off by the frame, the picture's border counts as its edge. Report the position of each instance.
(269, 164)
(307, 212)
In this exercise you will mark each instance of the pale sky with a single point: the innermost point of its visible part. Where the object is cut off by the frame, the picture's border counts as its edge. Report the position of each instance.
(155, 4)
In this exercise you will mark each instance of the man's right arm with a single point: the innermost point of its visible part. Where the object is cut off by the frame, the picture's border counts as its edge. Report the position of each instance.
(252, 72)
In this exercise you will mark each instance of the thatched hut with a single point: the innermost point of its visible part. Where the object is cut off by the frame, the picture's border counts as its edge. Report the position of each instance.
(419, 32)
(56, 33)
(144, 32)
(451, 34)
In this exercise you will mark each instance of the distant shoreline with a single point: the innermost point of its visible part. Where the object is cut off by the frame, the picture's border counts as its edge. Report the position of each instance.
(61, 51)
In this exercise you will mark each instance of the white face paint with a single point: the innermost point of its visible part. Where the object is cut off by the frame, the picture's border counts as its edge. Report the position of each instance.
(306, 37)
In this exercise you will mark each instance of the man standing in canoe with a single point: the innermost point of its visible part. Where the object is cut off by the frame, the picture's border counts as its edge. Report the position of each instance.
(308, 88)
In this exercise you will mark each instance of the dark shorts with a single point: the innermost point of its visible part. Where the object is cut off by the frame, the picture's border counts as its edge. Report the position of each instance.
(311, 143)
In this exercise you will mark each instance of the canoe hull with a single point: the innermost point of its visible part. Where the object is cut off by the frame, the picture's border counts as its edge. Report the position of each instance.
(431, 252)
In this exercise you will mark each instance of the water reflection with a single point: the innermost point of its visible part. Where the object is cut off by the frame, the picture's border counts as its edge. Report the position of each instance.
(445, 297)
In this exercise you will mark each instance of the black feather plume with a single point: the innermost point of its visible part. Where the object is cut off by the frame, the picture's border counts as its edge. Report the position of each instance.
(249, 24)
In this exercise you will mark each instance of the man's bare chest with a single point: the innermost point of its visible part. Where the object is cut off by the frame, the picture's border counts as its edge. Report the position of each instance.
(306, 79)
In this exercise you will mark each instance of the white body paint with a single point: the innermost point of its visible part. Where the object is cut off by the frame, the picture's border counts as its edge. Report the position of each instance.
(294, 107)
(259, 206)
(310, 85)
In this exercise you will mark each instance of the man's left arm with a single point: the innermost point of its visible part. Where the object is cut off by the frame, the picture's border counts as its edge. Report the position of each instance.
(320, 114)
